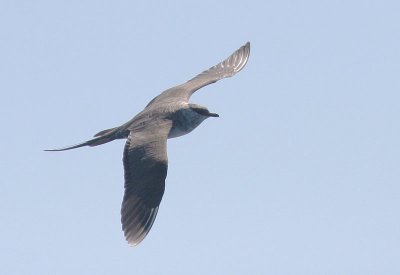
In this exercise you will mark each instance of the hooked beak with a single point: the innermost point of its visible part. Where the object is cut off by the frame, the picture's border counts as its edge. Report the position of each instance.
(213, 114)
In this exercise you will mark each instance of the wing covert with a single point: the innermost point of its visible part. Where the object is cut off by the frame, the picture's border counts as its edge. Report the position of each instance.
(227, 68)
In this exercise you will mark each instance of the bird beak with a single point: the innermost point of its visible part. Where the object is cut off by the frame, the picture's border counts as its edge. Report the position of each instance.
(213, 114)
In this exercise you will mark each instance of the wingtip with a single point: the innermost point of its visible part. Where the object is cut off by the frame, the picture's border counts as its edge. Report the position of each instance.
(134, 240)
(243, 54)
(132, 244)
(247, 48)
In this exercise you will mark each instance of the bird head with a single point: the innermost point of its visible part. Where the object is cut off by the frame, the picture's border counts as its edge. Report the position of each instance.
(201, 110)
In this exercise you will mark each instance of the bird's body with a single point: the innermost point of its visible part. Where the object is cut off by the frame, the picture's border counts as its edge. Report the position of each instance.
(145, 161)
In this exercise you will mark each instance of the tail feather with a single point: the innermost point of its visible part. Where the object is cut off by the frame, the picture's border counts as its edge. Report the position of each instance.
(107, 131)
(68, 147)
(93, 142)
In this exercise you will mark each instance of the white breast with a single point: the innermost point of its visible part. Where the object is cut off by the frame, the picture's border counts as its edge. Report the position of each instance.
(185, 121)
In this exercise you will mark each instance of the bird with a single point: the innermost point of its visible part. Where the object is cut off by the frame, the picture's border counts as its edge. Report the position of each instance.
(168, 115)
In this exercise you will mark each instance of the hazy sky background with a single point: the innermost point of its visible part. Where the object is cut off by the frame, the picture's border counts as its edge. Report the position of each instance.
(299, 175)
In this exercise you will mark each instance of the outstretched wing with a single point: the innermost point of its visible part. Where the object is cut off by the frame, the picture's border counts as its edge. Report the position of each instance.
(227, 68)
(145, 164)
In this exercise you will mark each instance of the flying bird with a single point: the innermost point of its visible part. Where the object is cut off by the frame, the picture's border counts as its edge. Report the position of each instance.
(145, 159)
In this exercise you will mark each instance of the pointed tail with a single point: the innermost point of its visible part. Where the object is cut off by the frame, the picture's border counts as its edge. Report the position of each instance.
(100, 138)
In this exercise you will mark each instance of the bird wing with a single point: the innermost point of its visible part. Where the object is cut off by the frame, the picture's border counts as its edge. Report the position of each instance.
(227, 68)
(145, 164)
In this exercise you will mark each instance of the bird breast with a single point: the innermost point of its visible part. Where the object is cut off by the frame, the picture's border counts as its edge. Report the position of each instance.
(184, 121)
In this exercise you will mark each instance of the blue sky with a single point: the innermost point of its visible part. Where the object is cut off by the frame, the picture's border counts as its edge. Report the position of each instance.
(299, 175)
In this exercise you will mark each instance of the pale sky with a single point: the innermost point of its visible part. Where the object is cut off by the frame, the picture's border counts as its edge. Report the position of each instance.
(299, 175)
